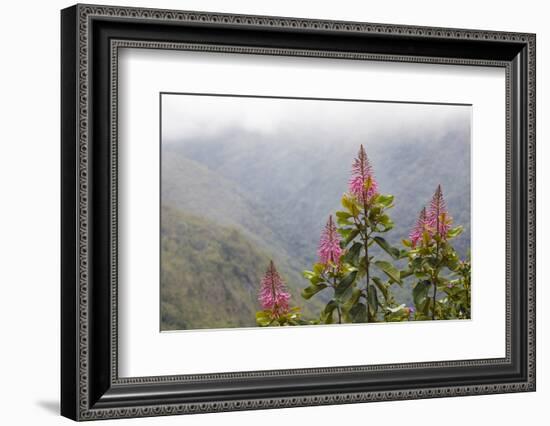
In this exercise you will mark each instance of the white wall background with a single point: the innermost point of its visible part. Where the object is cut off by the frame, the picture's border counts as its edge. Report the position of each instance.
(29, 211)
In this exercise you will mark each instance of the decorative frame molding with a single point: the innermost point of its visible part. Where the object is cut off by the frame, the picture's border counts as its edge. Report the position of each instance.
(91, 388)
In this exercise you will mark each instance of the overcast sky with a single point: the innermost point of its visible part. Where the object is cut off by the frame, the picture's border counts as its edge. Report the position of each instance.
(189, 116)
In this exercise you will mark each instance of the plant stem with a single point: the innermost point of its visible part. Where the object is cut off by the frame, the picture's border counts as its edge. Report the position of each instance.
(365, 240)
(338, 305)
(435, 292)
(367, 261)
(435, 278)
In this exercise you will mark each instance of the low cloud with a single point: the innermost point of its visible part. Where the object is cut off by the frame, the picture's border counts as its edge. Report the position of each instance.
(186, 117)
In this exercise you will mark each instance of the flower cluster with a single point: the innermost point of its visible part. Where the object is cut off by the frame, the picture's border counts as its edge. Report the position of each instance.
(362, 183)
(329, 245)
(420, 227)
(273, 294)
(434, 221)
(439, 219)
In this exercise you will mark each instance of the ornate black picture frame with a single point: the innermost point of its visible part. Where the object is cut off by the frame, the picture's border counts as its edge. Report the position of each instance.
(91, 36)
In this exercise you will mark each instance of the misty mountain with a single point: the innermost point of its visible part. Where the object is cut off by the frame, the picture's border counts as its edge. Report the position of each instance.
(209, 274)
(195, 199)
(295, 186)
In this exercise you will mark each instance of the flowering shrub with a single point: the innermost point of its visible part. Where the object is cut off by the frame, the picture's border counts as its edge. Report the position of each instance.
(436, 265)
(332, 271)
(360, 279)
(274, 299)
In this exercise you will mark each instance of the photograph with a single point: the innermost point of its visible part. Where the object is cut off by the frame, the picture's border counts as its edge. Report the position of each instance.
(288, 211)
(266, 208)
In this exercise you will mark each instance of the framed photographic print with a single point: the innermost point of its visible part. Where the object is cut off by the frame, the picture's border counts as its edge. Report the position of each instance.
(263, 212)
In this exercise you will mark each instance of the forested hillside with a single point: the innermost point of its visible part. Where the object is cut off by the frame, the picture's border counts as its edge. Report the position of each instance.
(209, 274)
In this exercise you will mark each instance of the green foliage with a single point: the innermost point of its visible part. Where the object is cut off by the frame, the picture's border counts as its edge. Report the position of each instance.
(358, 293)
(456, 302)
(363, 224)
(341, 280)
(442, 289)
(390, 270)
(362, 283)
(267, 318)
(397, 314)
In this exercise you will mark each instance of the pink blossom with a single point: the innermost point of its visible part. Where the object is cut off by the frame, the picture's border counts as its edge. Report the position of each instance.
(361, 172)
(420, 227)
(273, 294)
(329, 245)
(439, 219)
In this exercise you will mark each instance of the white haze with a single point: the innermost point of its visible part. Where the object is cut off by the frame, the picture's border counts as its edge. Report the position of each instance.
(187, 117)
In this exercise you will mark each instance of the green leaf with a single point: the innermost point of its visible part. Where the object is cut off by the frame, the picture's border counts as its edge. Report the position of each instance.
(381, 286)
(385, 200)
(452, 262)
(352, 255)
(344, 232)
(342, 218)
(313, 277)
(406, 273)
(425, 306)
(343, 215)
(358, 313)
(349, 204)
(373, 299)
(455, 232)
(316, 280)
(420, 292)
(308, 274)
(327, 314)
(309, 292)
(353, 233)
(263, 318)
(344, 222)
(385, 219)
(318, 268)
(355, 296)
(392, 251)
(346, 282)
(389, 270)
(416, 263)
(406, 243)
(375, 213)
(386, 223)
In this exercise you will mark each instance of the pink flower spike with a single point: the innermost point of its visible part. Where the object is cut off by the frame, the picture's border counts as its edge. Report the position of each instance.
(273, 294)
(329, 245)
(361, 172)
(421, 226)
(438, 217)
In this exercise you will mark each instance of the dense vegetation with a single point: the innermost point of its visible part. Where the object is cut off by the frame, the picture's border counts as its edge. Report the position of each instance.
(209, 274)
